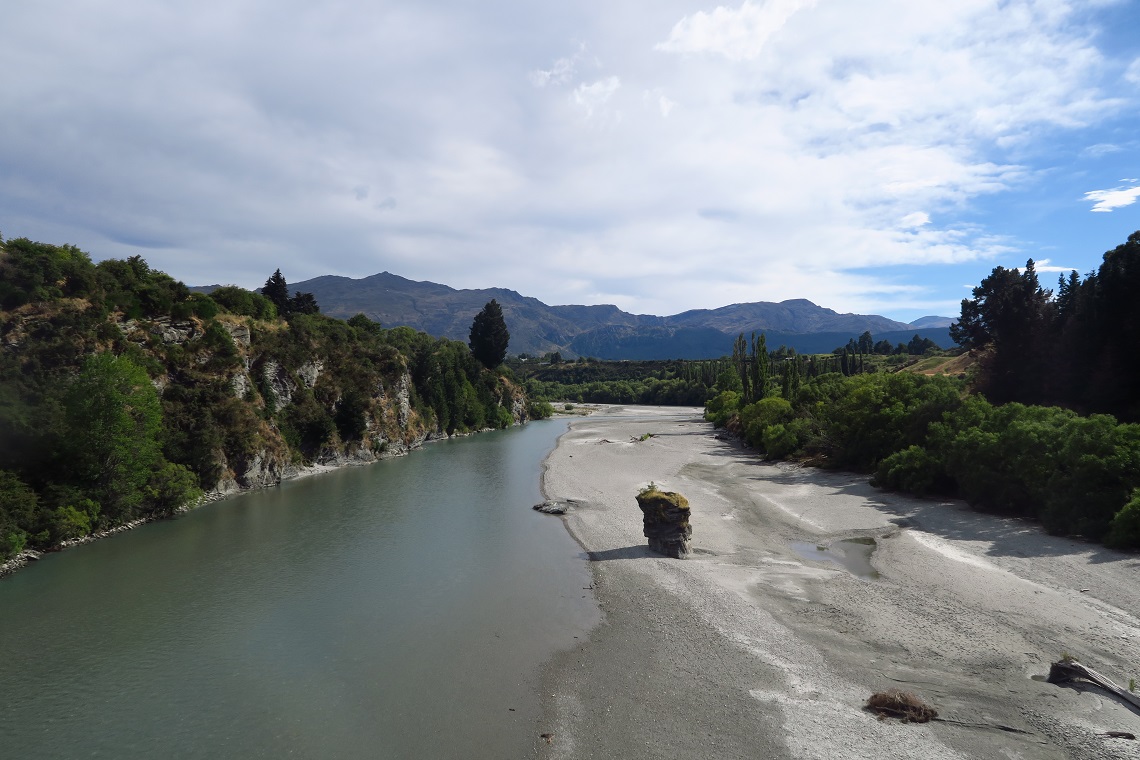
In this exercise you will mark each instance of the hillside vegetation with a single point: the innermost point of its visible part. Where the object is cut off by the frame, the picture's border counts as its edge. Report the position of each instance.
(125, 396)
(926, 432)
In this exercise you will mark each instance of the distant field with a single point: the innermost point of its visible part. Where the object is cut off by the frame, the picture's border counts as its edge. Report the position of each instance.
(942, 365)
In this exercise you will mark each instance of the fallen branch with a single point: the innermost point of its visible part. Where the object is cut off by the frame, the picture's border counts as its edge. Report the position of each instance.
(1068, 670)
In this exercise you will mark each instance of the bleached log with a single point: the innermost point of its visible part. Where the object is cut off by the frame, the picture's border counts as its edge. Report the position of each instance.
(1064, 671)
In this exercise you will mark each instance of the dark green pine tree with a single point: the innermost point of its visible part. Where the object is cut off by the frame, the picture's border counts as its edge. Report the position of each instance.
(303, 303)
(277, 291)
(489, 336)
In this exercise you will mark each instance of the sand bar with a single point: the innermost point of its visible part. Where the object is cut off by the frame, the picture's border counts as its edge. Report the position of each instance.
(755, 648)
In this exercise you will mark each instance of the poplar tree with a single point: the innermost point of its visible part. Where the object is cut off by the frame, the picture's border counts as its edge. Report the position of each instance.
(489, 337)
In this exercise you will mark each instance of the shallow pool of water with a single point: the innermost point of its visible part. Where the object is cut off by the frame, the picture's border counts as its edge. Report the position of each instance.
(852, 554)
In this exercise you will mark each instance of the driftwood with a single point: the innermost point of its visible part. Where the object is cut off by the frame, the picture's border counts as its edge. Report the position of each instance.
(1068, 670)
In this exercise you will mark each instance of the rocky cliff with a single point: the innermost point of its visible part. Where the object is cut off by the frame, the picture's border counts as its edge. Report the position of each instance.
(123, 394)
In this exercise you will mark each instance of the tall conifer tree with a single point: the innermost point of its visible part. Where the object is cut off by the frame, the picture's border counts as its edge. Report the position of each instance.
(489, 337)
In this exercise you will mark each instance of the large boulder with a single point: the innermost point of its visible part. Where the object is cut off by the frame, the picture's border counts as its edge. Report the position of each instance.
(666, 522)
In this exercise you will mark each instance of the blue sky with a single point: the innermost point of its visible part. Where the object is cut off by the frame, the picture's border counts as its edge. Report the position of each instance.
(876, 157)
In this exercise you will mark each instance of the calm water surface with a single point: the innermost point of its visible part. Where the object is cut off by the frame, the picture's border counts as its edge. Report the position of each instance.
(397, 610)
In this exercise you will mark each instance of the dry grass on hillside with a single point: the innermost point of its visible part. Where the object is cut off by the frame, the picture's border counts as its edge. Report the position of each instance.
(943, 365)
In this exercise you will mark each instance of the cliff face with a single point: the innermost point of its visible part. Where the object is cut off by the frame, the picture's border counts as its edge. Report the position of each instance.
(282, 378)
(124, 396)
(244, 404)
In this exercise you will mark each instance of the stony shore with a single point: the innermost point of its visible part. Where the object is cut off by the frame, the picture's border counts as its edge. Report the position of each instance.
(761, 645)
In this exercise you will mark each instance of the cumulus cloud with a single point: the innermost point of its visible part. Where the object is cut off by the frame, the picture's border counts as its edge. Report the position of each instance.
(765, 149)
(1105, 201)
(917, 219)
(737, 34)
(593, 96)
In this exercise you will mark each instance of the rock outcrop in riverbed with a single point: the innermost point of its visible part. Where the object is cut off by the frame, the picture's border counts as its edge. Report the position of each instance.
(666, 521)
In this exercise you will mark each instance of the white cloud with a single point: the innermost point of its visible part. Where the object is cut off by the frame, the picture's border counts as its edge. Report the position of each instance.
(1106, 201)
(1132, 73)
(737, 34)
(805, 143)
(561, 72)
(1101, 149)
(593, 96)
(917, 219)
(1047, 265)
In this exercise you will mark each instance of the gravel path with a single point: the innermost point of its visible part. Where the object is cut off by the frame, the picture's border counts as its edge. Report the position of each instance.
(760, 647)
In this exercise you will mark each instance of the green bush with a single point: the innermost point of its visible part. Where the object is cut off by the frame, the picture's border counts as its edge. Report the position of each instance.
(720, 408)
(914, 470)
(540, 410)
(1095, 469)
(244, 303)
(1124, 531)
(779, 441)
(18, 507)
(72, 521)
(503, 418)
(756, 418)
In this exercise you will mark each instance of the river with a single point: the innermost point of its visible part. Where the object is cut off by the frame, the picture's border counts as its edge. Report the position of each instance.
(397, 610)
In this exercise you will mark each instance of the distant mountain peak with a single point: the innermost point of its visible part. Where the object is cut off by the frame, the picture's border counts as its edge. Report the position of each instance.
(933, 321)
(602, 330)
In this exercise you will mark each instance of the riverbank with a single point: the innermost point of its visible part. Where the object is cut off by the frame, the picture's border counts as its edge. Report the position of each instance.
(229, 488)
(760, 647)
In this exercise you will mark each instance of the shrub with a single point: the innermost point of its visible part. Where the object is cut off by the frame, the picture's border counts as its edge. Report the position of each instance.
(244, 303)
(540, 410)
(779, 441)
(914, 470)
(1124, 531)
(70, 521)
(758, 417)
(503, 417)
(18, 505)
(721, 407)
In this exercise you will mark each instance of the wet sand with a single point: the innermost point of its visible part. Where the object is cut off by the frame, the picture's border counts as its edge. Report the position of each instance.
(753, 648)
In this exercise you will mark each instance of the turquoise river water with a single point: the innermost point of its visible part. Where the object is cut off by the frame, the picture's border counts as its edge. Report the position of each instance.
(397, 610)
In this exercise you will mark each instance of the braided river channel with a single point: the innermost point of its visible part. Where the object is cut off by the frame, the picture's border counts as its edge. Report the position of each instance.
(398, 610)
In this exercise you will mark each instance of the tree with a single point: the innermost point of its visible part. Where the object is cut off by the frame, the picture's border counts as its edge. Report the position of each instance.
(489, 336)
(303, 303)
(1008, 315)
(114, 419)
(277, 291)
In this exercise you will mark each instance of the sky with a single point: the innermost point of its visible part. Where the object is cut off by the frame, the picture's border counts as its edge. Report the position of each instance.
(880, 156)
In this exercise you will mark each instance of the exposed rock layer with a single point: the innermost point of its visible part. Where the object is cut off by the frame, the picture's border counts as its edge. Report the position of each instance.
(666, 522)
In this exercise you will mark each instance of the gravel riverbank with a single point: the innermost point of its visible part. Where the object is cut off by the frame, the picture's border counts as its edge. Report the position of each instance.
(759, 646)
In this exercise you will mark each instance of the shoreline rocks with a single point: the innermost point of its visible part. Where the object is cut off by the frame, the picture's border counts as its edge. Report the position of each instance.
(552, 507)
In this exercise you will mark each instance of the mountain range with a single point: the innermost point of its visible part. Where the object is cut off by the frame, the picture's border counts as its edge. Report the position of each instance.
(605, 331)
